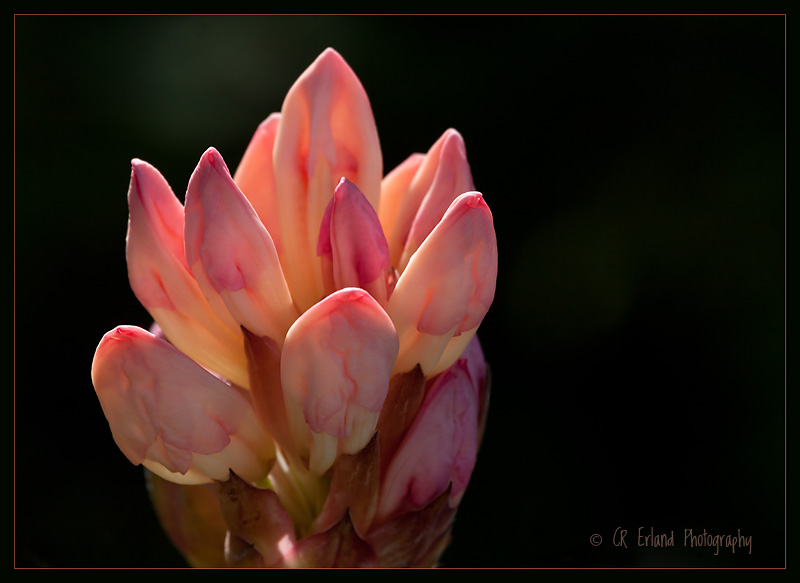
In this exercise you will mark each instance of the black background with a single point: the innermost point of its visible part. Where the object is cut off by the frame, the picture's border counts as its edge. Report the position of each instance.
(635, 169)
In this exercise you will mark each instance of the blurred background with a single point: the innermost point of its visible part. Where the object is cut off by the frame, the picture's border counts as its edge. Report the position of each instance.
(635, 168)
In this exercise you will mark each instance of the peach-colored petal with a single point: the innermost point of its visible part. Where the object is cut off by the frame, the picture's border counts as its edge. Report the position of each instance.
(452, 350)
(443, 175)
(335, 368)
(163, 283)
(256, 178)
(394, 189)
(326, 132)
(440, 447)
(171, 415)
(228, 247)
(448, 285)
(451, 178)
(352, 244)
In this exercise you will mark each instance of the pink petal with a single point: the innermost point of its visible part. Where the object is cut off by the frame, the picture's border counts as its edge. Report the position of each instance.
(173, 416)
(448, 285)
(335, 367)
(232, 254)
(163, 283)
(440, 447)
(443, 175)
(255, 177)
(351, 242)
(326, 132)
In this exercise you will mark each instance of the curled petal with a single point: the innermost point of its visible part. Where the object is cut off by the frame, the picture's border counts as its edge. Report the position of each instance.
(174, 417)
(419, 472)
(352, 244)
(443, 175)
(326, 131)
(335, 367)
(447, 287)
(256, 178)
(229, 249)
(163, 283)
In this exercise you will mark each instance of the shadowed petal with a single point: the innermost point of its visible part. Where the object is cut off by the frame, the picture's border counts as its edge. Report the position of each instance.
(338, 547)
(191, 517)
(264, 365)
(415, 539)
(173, 416)
(406, 391)
(256, 518)
(355, 483)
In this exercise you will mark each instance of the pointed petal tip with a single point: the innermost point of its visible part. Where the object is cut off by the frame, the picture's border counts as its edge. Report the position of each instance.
(141, 170)
(330, 54)
(454, 145)
(476, 200)
(343, 183)
(328, 59)
(213, 158)
(124, 333)
(268, 123)
(452, 134)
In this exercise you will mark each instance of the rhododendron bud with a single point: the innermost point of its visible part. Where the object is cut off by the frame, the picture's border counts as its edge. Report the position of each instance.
(313, 393)
(352, 245)
(447, 287)
(326, 132)
(449, 418)
(335, 369)
(416, 200)
(162, 281)
(171, 415)
(228, 247)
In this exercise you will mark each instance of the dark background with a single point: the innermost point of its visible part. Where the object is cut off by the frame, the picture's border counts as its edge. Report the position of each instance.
(635, 169)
